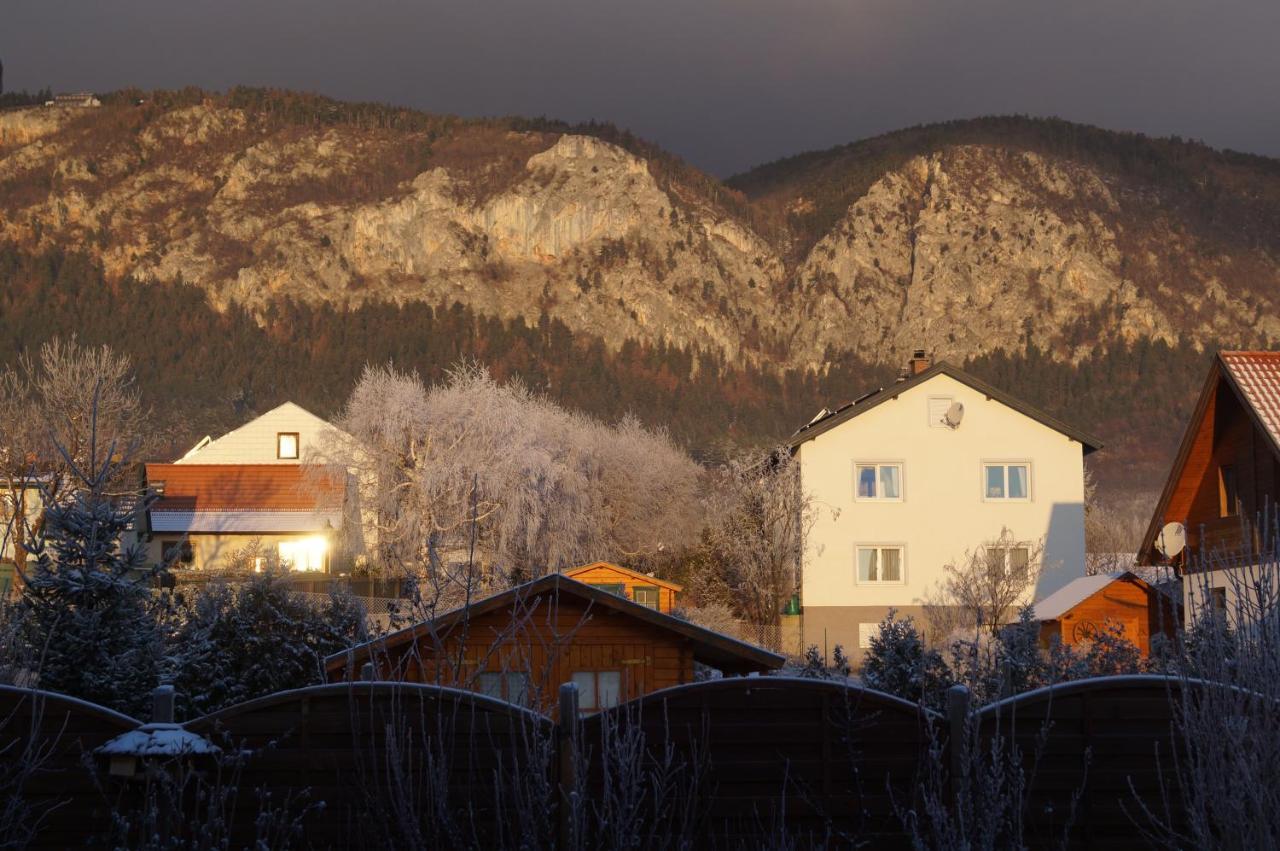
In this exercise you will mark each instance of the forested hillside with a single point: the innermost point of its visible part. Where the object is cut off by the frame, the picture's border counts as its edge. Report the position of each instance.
(204, 371)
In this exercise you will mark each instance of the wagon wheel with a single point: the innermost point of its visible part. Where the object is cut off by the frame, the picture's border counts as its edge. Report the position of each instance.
(1084, 631)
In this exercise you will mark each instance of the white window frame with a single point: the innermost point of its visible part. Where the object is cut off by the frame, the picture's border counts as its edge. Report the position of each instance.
(874, 545)
(1006, 463)
(928, 411)
(902, 481)
(1017, 545)
(866, 632)
(297, 446)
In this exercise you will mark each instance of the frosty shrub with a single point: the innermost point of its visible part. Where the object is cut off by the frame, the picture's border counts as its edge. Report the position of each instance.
(1226, 707)
(86, 614)
(233, 642)
(713, 616)
(899, 663)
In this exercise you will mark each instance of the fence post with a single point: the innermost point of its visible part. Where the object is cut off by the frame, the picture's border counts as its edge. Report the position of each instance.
(567, 728)
(957, 739)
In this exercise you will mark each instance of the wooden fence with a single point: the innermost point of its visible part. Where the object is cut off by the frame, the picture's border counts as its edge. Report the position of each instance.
(724, 763)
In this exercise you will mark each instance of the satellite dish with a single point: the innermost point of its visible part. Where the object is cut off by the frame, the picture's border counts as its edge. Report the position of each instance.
(954, 415)
(1172, 539)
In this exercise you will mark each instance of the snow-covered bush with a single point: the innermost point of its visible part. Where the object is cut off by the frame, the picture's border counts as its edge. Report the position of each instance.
(899, 663)
(232, 642)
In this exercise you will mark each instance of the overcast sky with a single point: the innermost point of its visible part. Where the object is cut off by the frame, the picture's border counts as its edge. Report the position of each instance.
(725, 83)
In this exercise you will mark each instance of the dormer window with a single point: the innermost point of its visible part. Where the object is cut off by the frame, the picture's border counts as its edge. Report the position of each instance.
(287, 445)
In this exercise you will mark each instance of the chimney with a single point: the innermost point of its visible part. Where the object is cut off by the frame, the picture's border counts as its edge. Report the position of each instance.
(920, 361)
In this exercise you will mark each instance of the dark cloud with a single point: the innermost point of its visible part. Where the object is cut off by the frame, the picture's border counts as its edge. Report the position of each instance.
(725, 83)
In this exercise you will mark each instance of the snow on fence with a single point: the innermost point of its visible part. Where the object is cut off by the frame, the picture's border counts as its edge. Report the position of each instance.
(728, 762)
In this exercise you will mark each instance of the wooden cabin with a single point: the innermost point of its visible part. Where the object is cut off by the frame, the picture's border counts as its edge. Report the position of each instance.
(638, 587)
(1082, 608)
(521, 644)
(1226, 475)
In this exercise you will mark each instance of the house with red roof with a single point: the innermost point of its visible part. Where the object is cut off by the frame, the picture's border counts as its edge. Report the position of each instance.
(1216, 515)
(250, 499)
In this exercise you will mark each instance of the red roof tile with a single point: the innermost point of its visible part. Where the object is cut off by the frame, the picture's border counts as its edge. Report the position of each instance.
(1257, 375)
(244, 487)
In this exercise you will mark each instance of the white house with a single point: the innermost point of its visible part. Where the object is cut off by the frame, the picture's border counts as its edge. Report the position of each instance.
(252, 484)
(915, 476)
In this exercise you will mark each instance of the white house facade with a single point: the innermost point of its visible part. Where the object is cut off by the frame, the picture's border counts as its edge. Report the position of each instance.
(918, 475)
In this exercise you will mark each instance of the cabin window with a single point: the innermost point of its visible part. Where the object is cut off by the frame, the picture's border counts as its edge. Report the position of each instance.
(610, 587)
(646, 595)
(513, 687)
(598, 689)
(878, 481)
(1228, 491)
(287, 445)
(1010, 561)
(880, 564)
(1004, 481)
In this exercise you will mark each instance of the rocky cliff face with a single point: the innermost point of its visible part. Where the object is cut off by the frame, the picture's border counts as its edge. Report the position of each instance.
(964, 248)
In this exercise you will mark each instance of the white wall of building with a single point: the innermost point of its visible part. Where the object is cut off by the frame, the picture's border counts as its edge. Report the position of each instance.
(943, 511)
(256, 442)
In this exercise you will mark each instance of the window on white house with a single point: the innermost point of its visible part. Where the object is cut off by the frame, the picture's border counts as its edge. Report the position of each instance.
(878, 481)
(866, 632)
(287, 445)
(879, 564)
(938, 407)
(597, 689)
(1006, 481)
(1009, 560)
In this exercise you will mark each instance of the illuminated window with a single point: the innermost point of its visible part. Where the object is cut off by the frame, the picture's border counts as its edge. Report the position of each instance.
(310, 555)
(287, 445)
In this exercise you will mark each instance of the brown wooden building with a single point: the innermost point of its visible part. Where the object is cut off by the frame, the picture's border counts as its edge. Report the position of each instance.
(638, 587)
(521, 644)
(1226, 475)
(1084, 607)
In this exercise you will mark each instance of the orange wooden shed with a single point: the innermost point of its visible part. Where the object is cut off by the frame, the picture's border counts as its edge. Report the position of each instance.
(1083, 607)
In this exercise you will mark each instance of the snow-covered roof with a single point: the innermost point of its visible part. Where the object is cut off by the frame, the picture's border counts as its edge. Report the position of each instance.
(1074, 593)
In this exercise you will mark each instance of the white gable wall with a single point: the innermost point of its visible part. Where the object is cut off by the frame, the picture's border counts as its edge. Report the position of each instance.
(942, 513)
(255, 441)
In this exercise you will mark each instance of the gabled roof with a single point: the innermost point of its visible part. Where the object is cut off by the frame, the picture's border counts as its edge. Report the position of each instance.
(1254, 378)
(575, 572)
(245, 487)
(821, 424)
(1076, 591)
(709, 647)
(192, 455)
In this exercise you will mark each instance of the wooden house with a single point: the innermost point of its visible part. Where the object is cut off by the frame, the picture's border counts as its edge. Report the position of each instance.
(638, 587)
(1081, 609)
(1225, 479)
(521, 644)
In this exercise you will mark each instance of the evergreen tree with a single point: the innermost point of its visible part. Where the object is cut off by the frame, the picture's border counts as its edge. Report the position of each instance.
(86, 605)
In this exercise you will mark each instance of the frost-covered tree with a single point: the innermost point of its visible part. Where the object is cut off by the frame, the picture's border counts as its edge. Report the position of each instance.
(477, 472)
(86, 619)
(59, 410)
(988, 585)
(758, 518)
